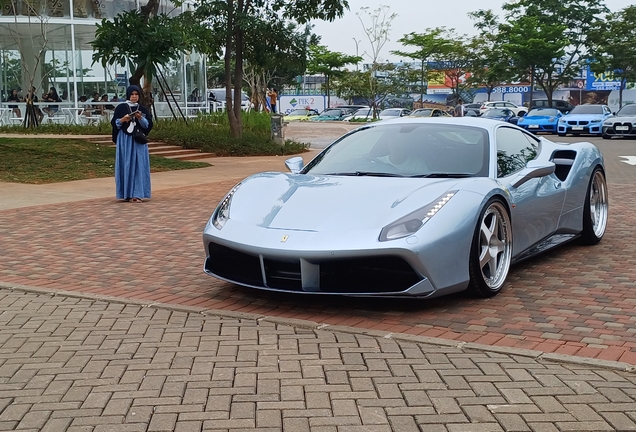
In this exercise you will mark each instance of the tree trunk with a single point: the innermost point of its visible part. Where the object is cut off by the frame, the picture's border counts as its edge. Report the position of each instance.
(234, 124)
(238, 79)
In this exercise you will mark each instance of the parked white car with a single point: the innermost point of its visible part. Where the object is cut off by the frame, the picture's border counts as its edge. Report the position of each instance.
(361, 114)
(518, 110)
(393, 113)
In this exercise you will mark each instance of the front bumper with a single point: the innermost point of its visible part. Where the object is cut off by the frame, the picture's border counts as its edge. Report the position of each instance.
(538, 127)
(580, 127)
(620, 129)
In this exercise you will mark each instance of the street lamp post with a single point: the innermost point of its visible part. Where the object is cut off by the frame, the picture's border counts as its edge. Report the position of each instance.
(357, 42)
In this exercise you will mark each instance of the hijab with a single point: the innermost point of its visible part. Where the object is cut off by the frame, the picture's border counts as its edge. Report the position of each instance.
(129, 90)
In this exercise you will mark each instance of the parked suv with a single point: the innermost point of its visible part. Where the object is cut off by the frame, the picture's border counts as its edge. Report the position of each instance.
(561, 105)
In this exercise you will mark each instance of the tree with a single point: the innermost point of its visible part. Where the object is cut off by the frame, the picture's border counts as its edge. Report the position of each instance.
(241, 23)
(143, 40)
(378, 34)
(455, 64)
(433, 42)
(612, 48)
(328, 63)
(387, 79)
(490, 65)
(546, 39)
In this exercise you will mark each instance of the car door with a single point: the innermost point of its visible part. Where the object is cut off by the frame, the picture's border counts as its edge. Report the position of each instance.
(537, 203)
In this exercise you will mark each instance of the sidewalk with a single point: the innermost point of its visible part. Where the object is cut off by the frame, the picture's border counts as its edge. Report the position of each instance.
(16, 195)
(78, 362)
(74, 363)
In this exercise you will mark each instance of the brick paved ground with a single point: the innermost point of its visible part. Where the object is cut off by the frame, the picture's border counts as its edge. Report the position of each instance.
(575, 300)
(88, 364)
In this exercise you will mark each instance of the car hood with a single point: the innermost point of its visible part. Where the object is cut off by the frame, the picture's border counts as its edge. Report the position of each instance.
(535, 118)
(588, 117)
(621, 119)
(324, 203)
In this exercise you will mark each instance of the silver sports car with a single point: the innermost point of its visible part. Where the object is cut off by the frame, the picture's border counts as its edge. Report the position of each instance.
(411, 207)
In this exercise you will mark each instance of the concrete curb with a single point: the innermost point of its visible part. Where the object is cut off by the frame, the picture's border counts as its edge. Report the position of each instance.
(462, 346)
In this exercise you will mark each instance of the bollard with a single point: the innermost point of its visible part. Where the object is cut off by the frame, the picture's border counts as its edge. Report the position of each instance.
(278, 135)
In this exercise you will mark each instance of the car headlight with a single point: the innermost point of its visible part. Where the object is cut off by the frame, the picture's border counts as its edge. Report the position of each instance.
(222, 212)
(551, 119)
(410, 223)
(562, 120)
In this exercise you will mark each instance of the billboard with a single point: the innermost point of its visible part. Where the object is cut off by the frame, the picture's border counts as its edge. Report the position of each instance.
(288, 103)
(602, 81)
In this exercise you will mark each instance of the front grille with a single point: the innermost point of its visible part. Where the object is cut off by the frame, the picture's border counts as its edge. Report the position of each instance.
(578, 123)
(351, 275)
(619, 128)
(234, 265)
(281, 274)
(370, 274)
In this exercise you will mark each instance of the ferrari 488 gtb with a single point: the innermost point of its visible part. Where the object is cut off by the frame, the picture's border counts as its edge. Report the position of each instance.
(412, 207)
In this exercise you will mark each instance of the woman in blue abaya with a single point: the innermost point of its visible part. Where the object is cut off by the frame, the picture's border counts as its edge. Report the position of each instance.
(132, 161)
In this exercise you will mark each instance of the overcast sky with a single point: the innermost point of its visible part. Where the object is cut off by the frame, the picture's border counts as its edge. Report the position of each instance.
(412, 16)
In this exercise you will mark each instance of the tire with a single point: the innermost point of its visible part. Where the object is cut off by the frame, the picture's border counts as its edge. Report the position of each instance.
(521, 113)
(561, 134)
(491, 250)
(605, 136)
(595, 209)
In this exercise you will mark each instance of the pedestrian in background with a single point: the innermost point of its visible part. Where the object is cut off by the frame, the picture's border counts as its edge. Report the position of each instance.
(459, 109)
(273, 98)
(132, 160)
(14, 97)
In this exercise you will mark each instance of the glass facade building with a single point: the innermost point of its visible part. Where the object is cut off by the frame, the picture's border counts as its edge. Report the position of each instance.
(47, 43)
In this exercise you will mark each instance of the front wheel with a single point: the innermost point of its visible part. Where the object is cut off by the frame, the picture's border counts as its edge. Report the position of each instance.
(596, 209)
(606, 136)
(491, 250)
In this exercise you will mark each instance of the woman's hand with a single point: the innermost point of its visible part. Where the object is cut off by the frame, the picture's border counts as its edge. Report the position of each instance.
(126, 118)
(138, 115)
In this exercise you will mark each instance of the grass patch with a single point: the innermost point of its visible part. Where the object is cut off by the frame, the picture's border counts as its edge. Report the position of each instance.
(43, 160)
(209, 133)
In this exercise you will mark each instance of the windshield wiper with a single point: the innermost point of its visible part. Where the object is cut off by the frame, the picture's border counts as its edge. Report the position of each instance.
(366, 173)
(443, 175)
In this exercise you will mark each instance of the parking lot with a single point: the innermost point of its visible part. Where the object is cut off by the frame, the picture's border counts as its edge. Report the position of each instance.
(574, 300)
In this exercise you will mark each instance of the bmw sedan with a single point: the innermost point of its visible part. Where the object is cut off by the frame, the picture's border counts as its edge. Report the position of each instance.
(584, 119)
(623, 124)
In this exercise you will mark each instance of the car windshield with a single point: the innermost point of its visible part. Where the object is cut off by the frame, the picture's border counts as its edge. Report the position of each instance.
(299, 112)
(406, 150)
(390, 112)
(627, 110)
(422, 113)
(364, 112)
(332, 113)
(587, 109)
(496, 112)
(543, 112)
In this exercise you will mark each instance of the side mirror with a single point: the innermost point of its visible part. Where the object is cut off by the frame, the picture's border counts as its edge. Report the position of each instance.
(295, 164)
(534, 169)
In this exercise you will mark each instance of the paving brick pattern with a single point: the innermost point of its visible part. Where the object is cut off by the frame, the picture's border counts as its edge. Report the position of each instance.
(88, 364)
(575, 300)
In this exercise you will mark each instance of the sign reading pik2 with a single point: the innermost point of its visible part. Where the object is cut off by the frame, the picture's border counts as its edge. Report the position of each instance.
(288, 103)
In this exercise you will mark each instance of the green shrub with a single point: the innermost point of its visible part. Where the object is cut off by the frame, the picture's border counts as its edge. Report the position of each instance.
(209, 132)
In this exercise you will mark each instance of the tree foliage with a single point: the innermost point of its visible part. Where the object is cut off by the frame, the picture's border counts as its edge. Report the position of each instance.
(433, 43)
(546, 39)
(328, 63)
(142, 42)
(245, 25)
(612, 47)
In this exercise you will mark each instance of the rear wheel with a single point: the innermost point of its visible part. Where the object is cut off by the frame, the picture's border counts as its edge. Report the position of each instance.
(491, 250)
(596, 209)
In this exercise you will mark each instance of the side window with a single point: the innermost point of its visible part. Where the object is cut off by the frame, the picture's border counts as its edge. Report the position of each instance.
(514, 149)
